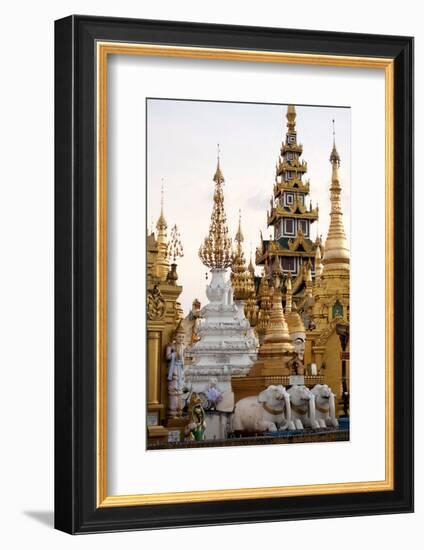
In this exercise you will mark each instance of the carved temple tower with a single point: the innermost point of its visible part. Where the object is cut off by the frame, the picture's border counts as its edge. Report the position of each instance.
(291, 214)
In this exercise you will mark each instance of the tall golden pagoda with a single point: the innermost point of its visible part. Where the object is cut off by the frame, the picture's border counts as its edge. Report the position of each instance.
(291, 214)
(330, 302)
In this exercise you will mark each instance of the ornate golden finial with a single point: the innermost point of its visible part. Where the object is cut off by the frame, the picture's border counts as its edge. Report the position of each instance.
(216, 250)
(336, 250)
(161, 224)
(239, 238)
(291, 117)
(219, 176)
(241, 279)
(251, 267)
(277, 272)
(334, 157)
(162, 241)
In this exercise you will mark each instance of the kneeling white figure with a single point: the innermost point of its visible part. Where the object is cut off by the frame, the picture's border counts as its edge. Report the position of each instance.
(325, 409)
(270, 411)
(302, 402)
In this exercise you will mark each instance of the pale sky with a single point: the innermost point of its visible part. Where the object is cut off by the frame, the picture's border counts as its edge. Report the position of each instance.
(182, 139)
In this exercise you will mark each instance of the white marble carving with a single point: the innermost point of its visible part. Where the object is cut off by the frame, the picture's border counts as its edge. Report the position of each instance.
(268, 412)
(226, 346)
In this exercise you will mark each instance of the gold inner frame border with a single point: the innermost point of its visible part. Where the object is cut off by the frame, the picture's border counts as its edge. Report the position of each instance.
(103, 50)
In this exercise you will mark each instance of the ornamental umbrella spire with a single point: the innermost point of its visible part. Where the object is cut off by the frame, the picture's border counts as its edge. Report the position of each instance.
(216, 250)
(336, 250)
(161, 224)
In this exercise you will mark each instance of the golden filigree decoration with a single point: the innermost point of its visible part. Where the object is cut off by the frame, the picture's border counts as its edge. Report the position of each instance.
(155, 304)
(216, 250)
(175, 248)
(300, 240)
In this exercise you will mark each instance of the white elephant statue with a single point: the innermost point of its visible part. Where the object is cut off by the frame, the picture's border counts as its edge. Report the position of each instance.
(270, 411)
(302, 402)
(325, 408)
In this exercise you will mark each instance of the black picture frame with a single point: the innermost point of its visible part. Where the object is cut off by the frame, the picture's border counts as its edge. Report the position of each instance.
(76, 510)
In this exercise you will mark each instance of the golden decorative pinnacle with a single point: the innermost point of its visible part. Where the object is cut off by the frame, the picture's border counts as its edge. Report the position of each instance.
(241, 278)
(161, 224)
(276, 338)
(291, 118)
(219, 176)
(216, 250)
(251, 267)
(334, 157)
(239, 238)
(336, 251)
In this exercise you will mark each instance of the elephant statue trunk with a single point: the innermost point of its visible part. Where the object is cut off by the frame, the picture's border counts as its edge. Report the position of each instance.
(332, 405)
(312, 415)
(290, 423)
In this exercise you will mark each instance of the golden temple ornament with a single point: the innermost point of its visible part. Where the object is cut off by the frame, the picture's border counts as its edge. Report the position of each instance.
(216, 250)
(241, 278)
(175, 247)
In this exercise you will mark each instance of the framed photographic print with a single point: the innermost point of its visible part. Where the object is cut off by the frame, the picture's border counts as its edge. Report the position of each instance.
(234, 274)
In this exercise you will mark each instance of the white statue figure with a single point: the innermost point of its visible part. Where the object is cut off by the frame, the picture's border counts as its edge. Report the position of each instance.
(299, 344)
(213, 393)
(270, 411)
(302, 402)
(175, 357)
(325, 409)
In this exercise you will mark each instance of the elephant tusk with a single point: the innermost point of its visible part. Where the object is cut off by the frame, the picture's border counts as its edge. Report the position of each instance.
(332, 407)
(312, 411)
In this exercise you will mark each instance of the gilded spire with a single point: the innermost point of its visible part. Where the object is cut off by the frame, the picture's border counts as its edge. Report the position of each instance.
(239, 235)
(276, 338)
(241, 278)
(334, 157)
(161, 224)
(162, 240)
(336, 253)
(216, 250)
(294, 321)
(251, 267)
(291, 118)
(277, 272)
(218, 176)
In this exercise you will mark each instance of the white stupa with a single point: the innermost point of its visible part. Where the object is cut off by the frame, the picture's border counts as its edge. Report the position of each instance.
(227, 346)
